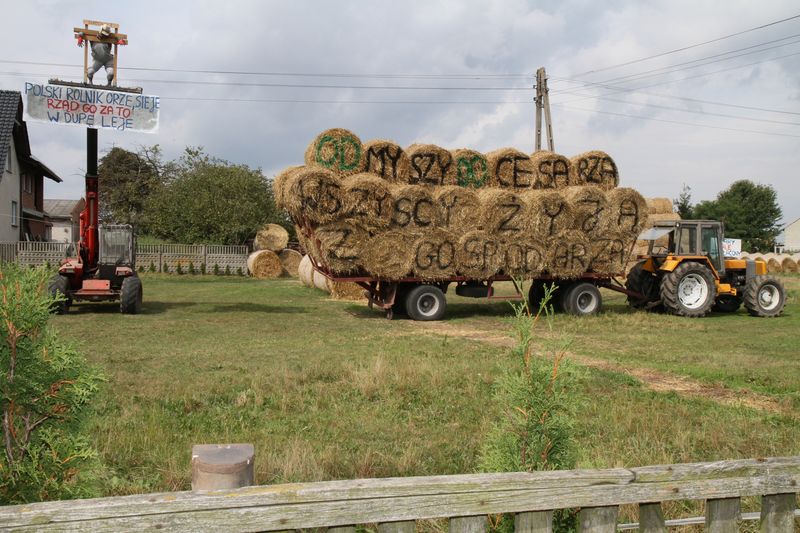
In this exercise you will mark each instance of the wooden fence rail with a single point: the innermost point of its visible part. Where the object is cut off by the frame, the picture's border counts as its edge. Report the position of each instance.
(394, 504)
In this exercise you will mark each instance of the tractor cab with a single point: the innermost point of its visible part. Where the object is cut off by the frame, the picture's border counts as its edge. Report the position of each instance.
(117, 251)
(687, 238)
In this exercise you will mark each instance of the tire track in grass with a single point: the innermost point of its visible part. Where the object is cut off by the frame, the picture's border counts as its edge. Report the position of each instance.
(654, 380)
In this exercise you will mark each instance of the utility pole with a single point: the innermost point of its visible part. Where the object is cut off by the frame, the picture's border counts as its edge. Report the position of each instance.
(543, 105)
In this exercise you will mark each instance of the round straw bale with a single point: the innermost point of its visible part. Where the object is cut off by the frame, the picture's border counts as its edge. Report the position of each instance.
(569, 254)
(610, 253)
(627, 211)
(271, 237)
(472, 169)
(368, 201)
(314, 194)
(525, 258)
(345, 290)
(290, 259)
(279, 184)
(305, 271)
(594, 168)
(414, 208)
(434, 255)
(340, 245)
(652, 219)
(338, 150)
(774, 266)
(589, 205)
(430, 165)
(511, 169)
(320, 281)
(549, 213)
(264, 264)
(552, 171)
(387, 160)
(479, 255)
(459, 208)
(788, 264)
(659, 205)
(504, 213)
(389, 255)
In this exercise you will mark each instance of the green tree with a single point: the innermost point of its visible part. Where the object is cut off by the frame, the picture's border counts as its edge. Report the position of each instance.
(683, 203)
(749, 211)
(209, 200)
(126, 181)
(45, 389)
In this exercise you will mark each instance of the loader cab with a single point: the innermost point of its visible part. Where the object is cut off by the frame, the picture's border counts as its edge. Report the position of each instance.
(687, 238)
(117, 251)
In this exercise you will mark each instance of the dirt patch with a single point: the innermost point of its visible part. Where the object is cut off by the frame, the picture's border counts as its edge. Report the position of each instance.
(652, 379)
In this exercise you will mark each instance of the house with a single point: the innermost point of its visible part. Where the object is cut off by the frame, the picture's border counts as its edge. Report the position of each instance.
(64, 217)
(791, 237)
(22, 215)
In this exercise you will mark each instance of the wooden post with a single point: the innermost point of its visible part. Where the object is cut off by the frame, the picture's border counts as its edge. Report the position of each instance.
(651, 518)
(468, 524)
(86, 45)
(222, 466)
(598, 519)
(722, 515)
(408, 526)
(777, 513)
(540, 522)
(539, 102)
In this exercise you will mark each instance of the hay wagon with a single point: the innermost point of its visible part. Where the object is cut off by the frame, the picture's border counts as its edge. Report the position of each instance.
(425, 300)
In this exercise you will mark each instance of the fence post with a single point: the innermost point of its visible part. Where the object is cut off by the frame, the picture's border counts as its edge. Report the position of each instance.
(222, 466)
(160, 259)
(204, 266)
(722, 515)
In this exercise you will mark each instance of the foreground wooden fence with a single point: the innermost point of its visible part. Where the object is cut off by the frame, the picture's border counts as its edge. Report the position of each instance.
(172, 258)
(395, 504)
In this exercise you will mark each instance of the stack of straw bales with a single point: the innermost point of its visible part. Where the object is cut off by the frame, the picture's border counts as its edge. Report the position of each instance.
(271, 258)
(338, 290)
(776, 263)
(433, 213)
(659, 210)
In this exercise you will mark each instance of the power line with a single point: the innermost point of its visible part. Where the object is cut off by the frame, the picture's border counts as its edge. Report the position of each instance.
(688, 47)
(674, 121)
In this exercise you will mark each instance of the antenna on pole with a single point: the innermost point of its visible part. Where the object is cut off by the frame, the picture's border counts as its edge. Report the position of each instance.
(543, 105)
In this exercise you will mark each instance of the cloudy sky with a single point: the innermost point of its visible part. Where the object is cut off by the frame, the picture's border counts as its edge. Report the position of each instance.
(454, 73)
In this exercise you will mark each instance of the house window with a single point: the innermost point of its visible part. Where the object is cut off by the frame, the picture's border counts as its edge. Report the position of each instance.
(27, 183)
(14, 214)
(8, 160)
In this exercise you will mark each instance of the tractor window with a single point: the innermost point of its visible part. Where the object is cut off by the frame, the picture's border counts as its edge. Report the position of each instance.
(687, 238)
(115, 246)
(711, 245)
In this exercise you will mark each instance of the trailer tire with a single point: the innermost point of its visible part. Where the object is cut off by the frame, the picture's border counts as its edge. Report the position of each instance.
(130, 301)
(582, 299)
(426, 303)
(59, 285)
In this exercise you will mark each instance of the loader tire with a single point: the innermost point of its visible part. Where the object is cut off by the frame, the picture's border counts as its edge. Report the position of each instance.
(689, 290)
(130, 301)
(764, 296)
(59, 287)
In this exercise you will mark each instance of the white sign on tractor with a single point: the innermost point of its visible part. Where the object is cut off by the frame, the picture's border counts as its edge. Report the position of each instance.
(732, 247)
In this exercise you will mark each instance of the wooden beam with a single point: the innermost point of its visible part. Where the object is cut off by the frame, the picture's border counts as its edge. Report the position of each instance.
(100, 23)
(722, 515)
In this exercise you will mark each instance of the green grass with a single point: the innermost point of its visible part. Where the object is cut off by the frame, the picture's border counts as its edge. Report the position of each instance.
(328, 389)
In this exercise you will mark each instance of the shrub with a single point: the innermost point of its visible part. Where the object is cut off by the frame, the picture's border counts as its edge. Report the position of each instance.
(152, 267)
(203, 268)
(191, 268)
(45, 389)
(227, 270)
(538, 402)
(179, 269)
(239, 271)
(216, 269)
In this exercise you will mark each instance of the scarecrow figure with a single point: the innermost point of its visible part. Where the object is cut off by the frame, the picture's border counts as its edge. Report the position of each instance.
(101, 56)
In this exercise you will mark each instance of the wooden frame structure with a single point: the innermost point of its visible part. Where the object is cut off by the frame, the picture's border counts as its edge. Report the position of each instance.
(94, 36)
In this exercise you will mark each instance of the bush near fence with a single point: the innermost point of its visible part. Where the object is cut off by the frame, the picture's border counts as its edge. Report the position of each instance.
(167, 258)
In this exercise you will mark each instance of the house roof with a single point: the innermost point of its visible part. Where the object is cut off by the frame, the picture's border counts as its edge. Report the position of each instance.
(10, 102)
(60, 208)
(11, 116)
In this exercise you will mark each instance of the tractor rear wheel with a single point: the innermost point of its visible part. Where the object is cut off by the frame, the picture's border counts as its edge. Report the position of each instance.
(130, 301)
(59, 286)
(644, 282)
(689, 290)
(764, 296)
(727, 304)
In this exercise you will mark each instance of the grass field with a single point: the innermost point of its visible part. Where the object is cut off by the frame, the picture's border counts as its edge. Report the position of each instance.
(329, 389)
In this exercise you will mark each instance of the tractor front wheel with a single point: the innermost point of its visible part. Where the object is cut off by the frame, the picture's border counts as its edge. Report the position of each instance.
(689, 290)
(59, 288)
(130, 302)
(764, 296)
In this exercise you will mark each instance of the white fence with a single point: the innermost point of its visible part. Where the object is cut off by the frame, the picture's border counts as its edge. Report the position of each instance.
(172, 258)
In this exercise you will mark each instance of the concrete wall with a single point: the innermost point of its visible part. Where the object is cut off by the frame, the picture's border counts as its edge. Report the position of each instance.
(9, 192)
(62, 231)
